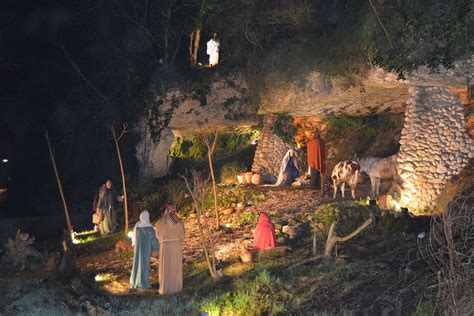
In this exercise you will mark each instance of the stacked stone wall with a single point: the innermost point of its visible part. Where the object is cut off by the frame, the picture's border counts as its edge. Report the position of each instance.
(434, 145)
(270, 151)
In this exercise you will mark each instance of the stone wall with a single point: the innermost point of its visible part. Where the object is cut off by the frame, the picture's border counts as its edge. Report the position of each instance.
(270, 151)
(434, 145)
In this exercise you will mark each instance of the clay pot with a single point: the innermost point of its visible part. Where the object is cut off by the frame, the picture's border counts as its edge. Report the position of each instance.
(248, 177)
(256, 179)
(240, 178)
(384, 202)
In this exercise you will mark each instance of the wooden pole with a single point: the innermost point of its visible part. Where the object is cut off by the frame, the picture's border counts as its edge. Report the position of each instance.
(214, 186)
(210, 150)
(66, 212)
(124, 185)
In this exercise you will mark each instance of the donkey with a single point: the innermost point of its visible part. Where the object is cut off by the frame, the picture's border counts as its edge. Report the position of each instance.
(345, 171)
(377, 169)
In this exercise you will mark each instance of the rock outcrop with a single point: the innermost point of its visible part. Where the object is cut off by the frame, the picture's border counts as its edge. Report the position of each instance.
(220, 104)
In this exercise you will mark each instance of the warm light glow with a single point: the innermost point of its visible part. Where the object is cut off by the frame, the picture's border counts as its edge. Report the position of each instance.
(73, 238)
(396, 206)
(103, 277)
(90, 235)
(4, 160)
(87, 232)
(130, 234)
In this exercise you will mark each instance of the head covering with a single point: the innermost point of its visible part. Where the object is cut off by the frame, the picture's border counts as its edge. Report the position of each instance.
(264, 236)
(170, 213)
(143, 222)
(286, 159)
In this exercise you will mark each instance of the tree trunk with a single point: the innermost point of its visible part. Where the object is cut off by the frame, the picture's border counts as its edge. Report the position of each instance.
(190, 48)
(124, 185)
(314, 242)
(333, 238)
(196, 45)
(66, 212)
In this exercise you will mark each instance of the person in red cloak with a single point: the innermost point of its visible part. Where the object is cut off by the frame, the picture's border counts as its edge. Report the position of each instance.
(316, 158)
(264, 236)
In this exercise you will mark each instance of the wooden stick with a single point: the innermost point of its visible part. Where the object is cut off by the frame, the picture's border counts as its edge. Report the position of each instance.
(210, 150)
(124, 185)
(66, 212)
(333, 239)
(381, 24)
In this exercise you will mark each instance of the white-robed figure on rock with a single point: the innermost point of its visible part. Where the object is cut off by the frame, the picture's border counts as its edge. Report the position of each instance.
(213, 50)
(289, 169)
(143, 241)
(170, 233)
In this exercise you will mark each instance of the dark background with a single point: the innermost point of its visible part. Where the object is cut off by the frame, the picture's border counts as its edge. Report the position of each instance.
(74, 67)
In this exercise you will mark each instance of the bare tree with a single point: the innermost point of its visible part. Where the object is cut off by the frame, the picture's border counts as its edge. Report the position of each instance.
(58, 180)
(333, 238)
(124, 185)
(449, 253)
(210, 140)
(197, 190)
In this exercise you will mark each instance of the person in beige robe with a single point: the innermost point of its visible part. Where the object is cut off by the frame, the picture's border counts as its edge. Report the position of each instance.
(170, 232)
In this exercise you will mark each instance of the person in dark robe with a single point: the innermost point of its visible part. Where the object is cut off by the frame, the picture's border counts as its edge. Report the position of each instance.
(316, 159)
(264, 235)
(143, 241)
(107, 205)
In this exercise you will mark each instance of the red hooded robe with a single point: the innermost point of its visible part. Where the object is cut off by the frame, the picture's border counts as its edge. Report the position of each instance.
(264, 236)
(316, 154)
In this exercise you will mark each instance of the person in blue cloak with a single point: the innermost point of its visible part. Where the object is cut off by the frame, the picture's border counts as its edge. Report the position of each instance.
(289, 169)
(143, 241)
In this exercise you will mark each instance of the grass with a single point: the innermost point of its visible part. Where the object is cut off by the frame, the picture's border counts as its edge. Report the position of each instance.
(101, 244)
(250, 295)
(424, 308)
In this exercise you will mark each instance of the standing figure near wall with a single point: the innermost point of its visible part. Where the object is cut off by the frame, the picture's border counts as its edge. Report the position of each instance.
(170, 233)
(143, 242)
(316, 158)
(213, 50)
(107, 206)
(289, 170)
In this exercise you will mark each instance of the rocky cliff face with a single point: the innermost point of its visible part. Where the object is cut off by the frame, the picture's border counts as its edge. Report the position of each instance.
(221, 103)
(378, 91)
(434, 146)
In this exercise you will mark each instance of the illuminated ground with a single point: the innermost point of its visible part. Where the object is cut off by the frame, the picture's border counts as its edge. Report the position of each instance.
(374, 272)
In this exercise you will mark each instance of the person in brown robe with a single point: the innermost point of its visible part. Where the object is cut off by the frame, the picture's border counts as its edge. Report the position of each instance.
(170, 233)
(316, 158)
